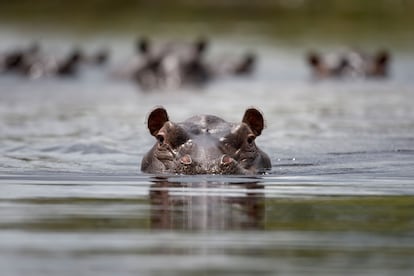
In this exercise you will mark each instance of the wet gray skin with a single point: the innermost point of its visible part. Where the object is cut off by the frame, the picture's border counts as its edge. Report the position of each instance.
(205, 144)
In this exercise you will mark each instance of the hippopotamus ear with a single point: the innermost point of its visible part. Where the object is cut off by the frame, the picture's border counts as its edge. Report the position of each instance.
(157, 119)
(200, 45)
(314, 59)
(254, 119)
(382, 57)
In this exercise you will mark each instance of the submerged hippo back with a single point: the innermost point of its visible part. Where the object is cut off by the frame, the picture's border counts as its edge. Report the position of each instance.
(205, 144)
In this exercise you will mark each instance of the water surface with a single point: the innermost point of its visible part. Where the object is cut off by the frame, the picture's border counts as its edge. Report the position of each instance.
(338, 200)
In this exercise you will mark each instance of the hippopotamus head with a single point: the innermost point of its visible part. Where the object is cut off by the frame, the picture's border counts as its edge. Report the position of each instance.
(205, 144)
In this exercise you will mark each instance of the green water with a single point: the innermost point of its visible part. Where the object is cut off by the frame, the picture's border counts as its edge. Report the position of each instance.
(193, 228)
(300, 23)
(390, 215)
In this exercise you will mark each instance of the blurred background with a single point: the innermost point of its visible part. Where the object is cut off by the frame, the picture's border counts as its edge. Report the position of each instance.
(297, 22)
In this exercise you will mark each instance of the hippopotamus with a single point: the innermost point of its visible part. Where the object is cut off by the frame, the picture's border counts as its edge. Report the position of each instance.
(350, 64)
(322, 68)
(205, 144)
(70, 65)
(194, 70)
(19, 60)
(246, 65)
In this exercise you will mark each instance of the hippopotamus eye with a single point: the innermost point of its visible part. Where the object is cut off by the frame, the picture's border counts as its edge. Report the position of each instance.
(250, 138)
(160, 138)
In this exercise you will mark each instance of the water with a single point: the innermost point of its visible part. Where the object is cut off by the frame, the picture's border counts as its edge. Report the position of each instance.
(338, 200)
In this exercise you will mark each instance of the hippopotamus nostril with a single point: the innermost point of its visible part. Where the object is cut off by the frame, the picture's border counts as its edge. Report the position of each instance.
(225, 159)
(186, 160)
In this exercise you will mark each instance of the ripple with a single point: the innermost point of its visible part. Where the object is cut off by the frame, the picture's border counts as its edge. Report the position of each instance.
(85, 148)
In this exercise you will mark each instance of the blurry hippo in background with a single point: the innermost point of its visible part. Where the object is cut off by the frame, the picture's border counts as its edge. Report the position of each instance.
(70, 65)
(245, 66)
(379, 64)
(147, 69)
(205, 144)
(193, 69)
(323, 68)
(235, 66)
(18, 60)
(349, 64)
(172, 65)
(34, 62)
(98, 58)
(175, 65)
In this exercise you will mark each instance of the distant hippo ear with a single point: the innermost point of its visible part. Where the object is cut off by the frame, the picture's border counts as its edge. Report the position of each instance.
(313, 59)
(254, 119)
(382, 57)
(156, 120)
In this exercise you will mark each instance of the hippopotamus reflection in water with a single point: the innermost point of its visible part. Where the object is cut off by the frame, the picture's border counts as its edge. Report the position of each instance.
(193, 209)
(205, 144)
